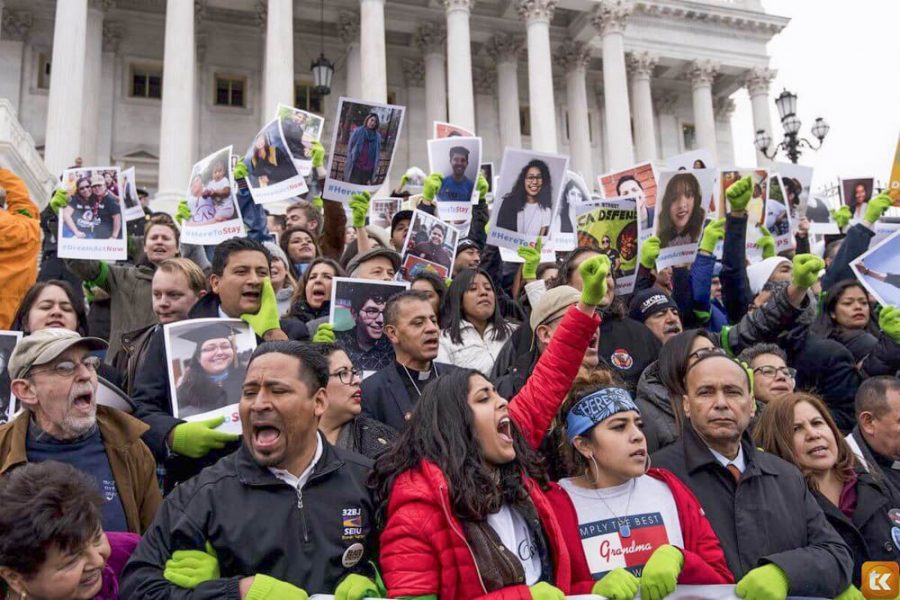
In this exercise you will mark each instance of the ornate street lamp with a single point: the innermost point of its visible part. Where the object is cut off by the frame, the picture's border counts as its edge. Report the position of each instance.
(322, 68)
(786, 103)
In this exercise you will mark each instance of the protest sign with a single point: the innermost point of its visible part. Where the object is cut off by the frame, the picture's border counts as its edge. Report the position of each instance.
(884, 227)
(795, 182)
(92, 224)
(855, 194)
(457, 160)
(132, 204)
(756, 213)
(299, 129)
(207, 360)
(111, 395)
(382, 211)
(778, 218)
(487, 169)
(445, 130)
(8, 341)
(682, 212)
(697, 160)
(894, 180)
(431, 240)
(638, 182)
(528, 191)
(271, 172)
(362, 147)
(878, 270)
(215, 216)
(611, 227)
(562, 229)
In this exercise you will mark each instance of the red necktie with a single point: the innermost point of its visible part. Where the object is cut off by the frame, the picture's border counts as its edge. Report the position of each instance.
(735, 472)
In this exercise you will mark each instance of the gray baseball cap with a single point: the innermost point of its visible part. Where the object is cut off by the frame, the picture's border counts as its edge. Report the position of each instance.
(42, 347)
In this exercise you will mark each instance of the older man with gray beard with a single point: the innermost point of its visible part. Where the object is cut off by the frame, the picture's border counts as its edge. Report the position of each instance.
(54, 378)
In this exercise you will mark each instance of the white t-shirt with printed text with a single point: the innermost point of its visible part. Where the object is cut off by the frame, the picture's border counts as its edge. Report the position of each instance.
(513, 531)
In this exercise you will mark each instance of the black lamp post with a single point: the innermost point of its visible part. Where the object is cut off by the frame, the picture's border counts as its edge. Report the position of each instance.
(322, 68)
(790, 145)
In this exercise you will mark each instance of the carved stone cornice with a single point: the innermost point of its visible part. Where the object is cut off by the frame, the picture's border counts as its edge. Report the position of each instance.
(641, 64)
(611, 16)
(16, 24)
(723, 15)
(702, 72)
(757, 80)
(452, 5)
(665, 102)
(723, 107)
(431, 38)
(537, 11)
(348, 26)
(112, 35)
(484, 79)
(504, 47)
(101, 5)
(573, 55)
(414, 72)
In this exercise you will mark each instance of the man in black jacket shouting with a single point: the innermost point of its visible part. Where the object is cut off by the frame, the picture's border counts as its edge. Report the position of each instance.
(286, 512)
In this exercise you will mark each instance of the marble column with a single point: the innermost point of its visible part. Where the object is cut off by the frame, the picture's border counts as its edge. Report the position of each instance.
(278, 73)
(14, 28)
(609, 18)
(486, 115)
(701, 74)
(93, 66)
(574, 58)
(724, 108)
(64, 106)
(373, 63)
(109, 92)
(348, 29)
(598, 152)
(537, 15)
(460, 95)
(505, 49)
(669, 134)
(417, 127)
(641, 67)
(431, 40)
(176, 154)
(757, 82)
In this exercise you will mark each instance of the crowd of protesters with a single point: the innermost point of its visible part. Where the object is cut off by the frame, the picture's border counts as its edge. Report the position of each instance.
(525, 431)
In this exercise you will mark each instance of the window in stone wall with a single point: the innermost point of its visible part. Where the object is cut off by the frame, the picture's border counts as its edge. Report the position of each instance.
(230, 91)
(43, 75)
(146, 82)
(689, 136)
(306, 98)
(525, 120)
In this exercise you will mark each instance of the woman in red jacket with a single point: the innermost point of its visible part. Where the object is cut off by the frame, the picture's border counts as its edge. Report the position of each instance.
(639, 527)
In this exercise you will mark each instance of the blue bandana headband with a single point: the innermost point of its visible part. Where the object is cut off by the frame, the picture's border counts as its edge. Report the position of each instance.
(596, 408)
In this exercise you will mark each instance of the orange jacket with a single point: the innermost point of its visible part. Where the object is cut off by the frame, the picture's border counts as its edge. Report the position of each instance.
(20, 242)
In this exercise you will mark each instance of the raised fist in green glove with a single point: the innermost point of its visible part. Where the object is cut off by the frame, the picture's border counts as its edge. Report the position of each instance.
(766, 243)
(532, 258)
(660, 574)
(190, 568)
(767, 582)
(318, 202)
(851, 593)
(59, 200)
(544, 591)
(431, 186)
(649, 252)
(594, 286)
(240, 170)
(359, 208)
(324, 334)
(182, 212)
(266, 318)
(877, 206)
(481, 184)
(197, 438)
(842, 216)
(269, 588)
(317, 152)
(712, 235)
(806, 269)
(618, 584)
(356, 587)
(889, 322)
(739, 193)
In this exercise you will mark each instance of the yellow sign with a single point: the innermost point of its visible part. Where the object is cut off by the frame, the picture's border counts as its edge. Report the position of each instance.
(894, 181)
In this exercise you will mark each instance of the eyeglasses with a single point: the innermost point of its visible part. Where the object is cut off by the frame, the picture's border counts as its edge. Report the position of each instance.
(704, 352)
(770, 371)
(67, 368)
(346, 376)
(371, 312)
(534, 178)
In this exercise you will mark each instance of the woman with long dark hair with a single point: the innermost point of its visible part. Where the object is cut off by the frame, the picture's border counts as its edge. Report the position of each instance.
(572, 196)
(474, 330)
(363, 151)
(433, 286)
(311, 302)
(212, 378)
(268, 163)
(681, 212)
(300, 246)
(527, 207)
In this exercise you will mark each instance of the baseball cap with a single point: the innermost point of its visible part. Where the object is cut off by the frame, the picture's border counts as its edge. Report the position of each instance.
(648, 302)
(43, 346)
(465, 244)
(97, 180)
(374, 253)
(553, 304)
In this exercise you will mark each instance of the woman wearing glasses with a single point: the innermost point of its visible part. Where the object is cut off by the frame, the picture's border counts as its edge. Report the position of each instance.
(342, 424)
(772, 378)
(527, 207)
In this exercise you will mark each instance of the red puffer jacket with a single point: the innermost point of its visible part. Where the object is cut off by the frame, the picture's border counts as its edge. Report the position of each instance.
(423, 545)
(704, 561)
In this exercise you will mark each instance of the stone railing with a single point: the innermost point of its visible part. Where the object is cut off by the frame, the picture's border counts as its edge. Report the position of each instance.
(18, 154)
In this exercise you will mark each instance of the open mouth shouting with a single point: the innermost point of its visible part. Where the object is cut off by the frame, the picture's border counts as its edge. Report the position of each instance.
(504, 430)
(266, 437)
(83, 399)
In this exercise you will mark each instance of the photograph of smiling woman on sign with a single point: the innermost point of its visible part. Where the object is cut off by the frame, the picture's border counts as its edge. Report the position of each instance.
(679, 220)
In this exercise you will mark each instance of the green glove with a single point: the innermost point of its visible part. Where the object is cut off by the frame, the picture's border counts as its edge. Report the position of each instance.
(481, 184)
(806, 269)
(593, 273)
(766, 243)
(182, 212)
(618, 584)
(190, 568)
(649, 252)
(359, 207)
(431, 186)
(58, 200)
(269, 588)
(889, 322)
(324, 334)
(197, 438)
(356, 587)
(404, 179)
(532, 258)
(851, 593)
(877, 206)
(318, 202)
(240, 170)
(266, 318)
(660, 575)
(739, 193)
(712, 235)
(318, 155)
(544, 591)
(763, 583)
(842, 216)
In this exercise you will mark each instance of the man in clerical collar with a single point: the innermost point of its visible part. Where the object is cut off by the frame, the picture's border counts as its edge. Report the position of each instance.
(876, 438)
